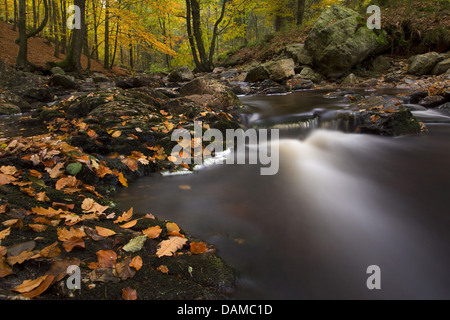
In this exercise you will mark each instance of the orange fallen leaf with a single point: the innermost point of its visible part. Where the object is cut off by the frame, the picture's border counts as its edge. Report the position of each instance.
(198, 247)
(66, 182)
(136, 263)
(5, 269)
(29, 285)
(163, 268)
(5, 233)
(123, 180)
(170, 246)
(104, 232)
(23, 256)
(50, 212)
(126, 216)
(6, 179)
(129, 224)
(37, 227)
(152, 232)
(8, 169)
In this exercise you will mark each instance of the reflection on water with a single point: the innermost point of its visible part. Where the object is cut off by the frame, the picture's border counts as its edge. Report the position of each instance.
(340, 203)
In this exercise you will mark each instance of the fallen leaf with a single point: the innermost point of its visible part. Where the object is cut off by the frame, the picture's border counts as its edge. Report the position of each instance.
(25, 255)
(116, 134)
(6, 179)
(136, 263)
(37, 227)
(41, 288)
(66, 182)
(65, 234)
(198, 247)
(50, 212)
(126, 216)
(5, 233)
(152, 232)
(5, 269)
(73, 242)
(163, 268)
(184, 187)
(129, 293)
(124, 271)
(104, 232)
(130, 163)
(8, 169)
(170, 246)
(129, 224)
(122, 180)
(50, 251)
(57, 170)
(135, 244)
(28, 285)
(106, 258)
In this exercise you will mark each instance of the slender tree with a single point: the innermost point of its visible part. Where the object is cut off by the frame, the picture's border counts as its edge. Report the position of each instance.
(73, 58)
(23, 43)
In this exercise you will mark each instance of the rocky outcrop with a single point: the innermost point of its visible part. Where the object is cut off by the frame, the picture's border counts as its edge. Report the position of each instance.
(280, 70)
(299, 54)
(257, 74)
(441, 67)
(340, 39)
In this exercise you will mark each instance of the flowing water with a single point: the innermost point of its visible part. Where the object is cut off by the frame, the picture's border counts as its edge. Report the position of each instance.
(340, 203)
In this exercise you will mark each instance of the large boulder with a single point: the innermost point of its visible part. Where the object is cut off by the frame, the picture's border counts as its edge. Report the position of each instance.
(65, 81)
(340, 39)
(181, 74)
(441, 67)
(310, 74)
(280, 70)
(8, 109)
(422, 64)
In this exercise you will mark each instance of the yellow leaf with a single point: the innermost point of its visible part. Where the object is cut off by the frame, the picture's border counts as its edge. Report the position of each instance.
(129, 224)
(64, 234)
(123, 180)
(116, 134)
(126, 216)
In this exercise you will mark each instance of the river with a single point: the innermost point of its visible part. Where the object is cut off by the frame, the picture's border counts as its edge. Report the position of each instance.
(340, 203)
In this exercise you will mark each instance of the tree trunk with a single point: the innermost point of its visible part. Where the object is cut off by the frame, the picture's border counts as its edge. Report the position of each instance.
(55, 28)
(35, 20)
(6, 11)
(15, 15)
(300, 11)
(23, 46)
(72, 63)
(106, 59)
(63, 26)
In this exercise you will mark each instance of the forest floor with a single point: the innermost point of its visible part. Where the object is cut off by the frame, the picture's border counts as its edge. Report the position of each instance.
(41, 51)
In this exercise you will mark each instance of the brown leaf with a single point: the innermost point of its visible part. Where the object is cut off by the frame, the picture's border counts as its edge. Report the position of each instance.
(59, 267)
(103, 171)
(42, 197)
(4, 233)
(63, 206)
(50, 212)
(106, 258)
(42, 287)
(56, 171)
(50, 251)
(129, 293)
(124, 271)
(170, 246)
(130, 163)
(73, 242)
(152, 232)
(8, 169)
(123, 180)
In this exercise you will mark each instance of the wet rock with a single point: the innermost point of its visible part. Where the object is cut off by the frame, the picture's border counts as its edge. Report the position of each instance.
(100, 77)
(432, 101)
(257, 74)
(417, 96)
(181, 74)
(40, 94)
(196, 86)
(299, 84)
(8, 109)
(64, 81)
(423, 64)
(340, 39)
(310, 74)
(7, 96)
(138, 82)
(445, 106)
